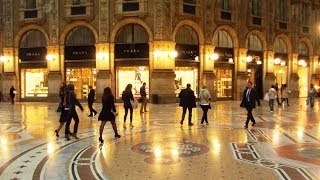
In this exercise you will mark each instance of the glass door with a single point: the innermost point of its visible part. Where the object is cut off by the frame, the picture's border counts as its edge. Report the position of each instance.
(81, 78)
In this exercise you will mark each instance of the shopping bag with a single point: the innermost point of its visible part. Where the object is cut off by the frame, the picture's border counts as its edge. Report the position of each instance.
(134, 103)
(266, 97)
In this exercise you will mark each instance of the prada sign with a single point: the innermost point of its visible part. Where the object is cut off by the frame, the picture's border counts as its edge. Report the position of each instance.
(33, 54)
(80, 52)
(188, 52)
(125, 51)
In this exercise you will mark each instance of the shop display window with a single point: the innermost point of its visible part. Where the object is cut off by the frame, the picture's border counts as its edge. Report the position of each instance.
(184, 76)
(34, 82)
(81, 78)
(132, 75)
(223, 84)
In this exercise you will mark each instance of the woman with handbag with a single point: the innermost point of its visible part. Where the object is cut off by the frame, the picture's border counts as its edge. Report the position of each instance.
(108, 113)
(127, 98)
(204, 101)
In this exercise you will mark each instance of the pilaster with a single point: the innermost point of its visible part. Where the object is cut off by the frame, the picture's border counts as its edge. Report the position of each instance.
(162, 74)
(293, 75)
(54, 72)
(241, 72)
(104, 78)
(10, 79)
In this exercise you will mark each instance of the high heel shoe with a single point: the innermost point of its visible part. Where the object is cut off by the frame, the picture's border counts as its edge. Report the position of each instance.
(75, 136)
(131, 125)
(117, 136)
(101, 140)
(67, 137)
(57, 133)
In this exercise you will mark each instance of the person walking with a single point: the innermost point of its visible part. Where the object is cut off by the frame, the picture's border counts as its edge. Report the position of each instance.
(285, 94)
(12, 93)
(276, 87)
(127, 97)
(143, 98)
(70, 102)
(61, 96)
(312, 94)
(187, 101)
(91, 96)
(249, 102)
(108, 113)
(64, 110)
(204, 100)
(272, 95)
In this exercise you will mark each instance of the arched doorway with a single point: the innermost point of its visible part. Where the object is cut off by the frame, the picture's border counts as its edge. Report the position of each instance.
(187, 60)
(224, 65)
(281, 62)
(80, 60)
(254, 63)
(303, 69)
(33, 66)
(131, 59)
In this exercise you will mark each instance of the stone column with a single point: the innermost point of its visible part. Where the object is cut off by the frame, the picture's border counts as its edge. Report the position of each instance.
(54, 73)
(314, 70)
(9, 73)
(293, 75)
(241, 75)
(268, 65)
(207, 64)
(162, 63)
(103, 64)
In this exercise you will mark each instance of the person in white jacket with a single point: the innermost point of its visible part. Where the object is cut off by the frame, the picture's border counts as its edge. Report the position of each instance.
(272, 95)
(204, 98)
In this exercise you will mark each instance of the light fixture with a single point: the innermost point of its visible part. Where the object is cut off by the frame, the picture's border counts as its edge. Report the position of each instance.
(50, 57)
(259, 62)
(174, 54)
(249, 70)
(214, 56)
(302, 63)
(277, 61)
(157, 53)
(249, 58)
(4, 59)
(230, 60)
(102, 55)
(196, 58)
(283, 63)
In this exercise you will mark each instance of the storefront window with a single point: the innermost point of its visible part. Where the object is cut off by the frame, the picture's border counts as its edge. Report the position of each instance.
(34, 82)
(223, 83)
(132, 75)
(82, 78)
(184, 76)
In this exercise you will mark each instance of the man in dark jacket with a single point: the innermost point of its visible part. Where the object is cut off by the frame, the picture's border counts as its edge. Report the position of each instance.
(187, 101)
(249, 102)
(91, 101)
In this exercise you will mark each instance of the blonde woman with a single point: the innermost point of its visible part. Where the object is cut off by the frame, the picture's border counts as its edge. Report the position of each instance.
(204, 97)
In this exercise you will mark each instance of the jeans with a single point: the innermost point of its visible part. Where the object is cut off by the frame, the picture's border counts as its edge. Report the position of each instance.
(271, 102)
(205, 109)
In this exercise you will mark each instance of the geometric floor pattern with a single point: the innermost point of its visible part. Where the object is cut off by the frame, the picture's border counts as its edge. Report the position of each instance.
(284, 144)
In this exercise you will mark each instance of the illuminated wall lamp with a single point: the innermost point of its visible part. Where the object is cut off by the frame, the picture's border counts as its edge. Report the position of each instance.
(214, 57)
(259, 62)
(283, 63)
(277, 61)
(174, 54)
(249, 59)
(302, 63)
(102, 56)
(50, 58)
(4, 59)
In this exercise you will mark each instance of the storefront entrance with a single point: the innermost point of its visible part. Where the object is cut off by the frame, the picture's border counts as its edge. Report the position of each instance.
(81, 78)
(132, 75)
(184, 76)
(34, 82)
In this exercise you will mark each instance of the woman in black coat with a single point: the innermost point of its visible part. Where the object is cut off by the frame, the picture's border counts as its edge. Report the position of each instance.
(13, 93)
(108, 113)
(127, 96)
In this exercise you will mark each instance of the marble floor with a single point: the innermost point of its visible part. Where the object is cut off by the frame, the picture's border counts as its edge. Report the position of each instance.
(284, 144)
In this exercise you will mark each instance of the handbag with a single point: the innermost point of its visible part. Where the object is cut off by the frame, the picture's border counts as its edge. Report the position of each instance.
(134, 103)
(266, 97)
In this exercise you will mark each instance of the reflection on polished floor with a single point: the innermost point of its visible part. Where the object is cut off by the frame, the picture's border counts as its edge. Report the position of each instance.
(282, 145)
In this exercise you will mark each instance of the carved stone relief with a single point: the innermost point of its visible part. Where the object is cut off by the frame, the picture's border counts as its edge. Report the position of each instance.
(162, 20)
(104, 21)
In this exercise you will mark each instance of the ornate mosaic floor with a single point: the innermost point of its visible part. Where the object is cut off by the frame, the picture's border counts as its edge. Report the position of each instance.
(282, 145)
